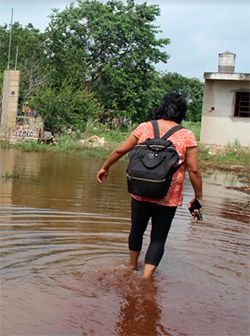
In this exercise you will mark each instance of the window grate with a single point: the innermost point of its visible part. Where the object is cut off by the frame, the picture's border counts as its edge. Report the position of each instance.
(242, 105)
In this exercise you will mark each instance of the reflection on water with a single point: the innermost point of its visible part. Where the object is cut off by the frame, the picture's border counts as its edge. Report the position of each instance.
(64, 254)
(140, 313)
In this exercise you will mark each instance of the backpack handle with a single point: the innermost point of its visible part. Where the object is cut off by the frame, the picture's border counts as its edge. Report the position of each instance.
(167, 134)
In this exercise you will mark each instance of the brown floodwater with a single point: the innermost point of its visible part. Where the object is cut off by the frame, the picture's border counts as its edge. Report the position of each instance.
(64, 255)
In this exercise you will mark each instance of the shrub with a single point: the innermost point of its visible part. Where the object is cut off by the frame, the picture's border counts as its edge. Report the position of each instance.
(66, 106)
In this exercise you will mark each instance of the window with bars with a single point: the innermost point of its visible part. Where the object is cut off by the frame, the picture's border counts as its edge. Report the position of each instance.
(242, 105)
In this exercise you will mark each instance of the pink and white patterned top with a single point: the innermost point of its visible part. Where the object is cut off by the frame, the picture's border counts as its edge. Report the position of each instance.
(182, 139)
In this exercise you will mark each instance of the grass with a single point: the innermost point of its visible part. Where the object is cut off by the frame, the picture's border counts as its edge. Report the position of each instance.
(5, 144)
(232, 157)
(30, 146)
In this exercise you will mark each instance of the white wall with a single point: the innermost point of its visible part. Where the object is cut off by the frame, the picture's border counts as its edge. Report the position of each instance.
(219, 126)
(224, 131)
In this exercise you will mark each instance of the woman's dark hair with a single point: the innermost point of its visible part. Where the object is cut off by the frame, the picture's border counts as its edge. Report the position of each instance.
(172, 107)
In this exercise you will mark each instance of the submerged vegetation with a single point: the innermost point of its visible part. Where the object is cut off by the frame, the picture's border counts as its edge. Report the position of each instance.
(10, 175)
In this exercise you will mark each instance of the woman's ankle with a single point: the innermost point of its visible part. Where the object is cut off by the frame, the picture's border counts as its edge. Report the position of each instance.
(134, 256)
(148, 271)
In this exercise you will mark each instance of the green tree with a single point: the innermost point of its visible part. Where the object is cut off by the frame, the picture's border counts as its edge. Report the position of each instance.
(66, 106)
(96, 59)
(31, 60)
(191, 88)
(110, 48)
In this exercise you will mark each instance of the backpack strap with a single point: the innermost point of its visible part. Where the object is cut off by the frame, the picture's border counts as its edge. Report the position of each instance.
(155, 128)
(166, 136)
(171, 131)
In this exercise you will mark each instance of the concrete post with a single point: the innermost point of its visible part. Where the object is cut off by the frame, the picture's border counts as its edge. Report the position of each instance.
(10, 98)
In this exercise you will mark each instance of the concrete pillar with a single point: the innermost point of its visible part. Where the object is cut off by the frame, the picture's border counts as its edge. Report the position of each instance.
(10, 98)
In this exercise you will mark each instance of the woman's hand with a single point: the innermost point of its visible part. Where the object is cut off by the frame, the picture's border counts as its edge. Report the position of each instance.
(193, 199)
(101, 175)
(121, 150)
(196, 213)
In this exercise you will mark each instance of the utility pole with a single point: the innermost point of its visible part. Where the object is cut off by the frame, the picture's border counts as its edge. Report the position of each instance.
(10, 38)
(17, 49)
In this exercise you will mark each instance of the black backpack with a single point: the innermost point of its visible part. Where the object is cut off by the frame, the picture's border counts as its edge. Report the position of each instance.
(152, 164)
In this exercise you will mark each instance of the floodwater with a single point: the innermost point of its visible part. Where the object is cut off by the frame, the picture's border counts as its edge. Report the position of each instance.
(64, 256)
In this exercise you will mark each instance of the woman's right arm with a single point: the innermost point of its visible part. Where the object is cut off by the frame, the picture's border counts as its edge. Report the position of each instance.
(192, 164)
(121, 150)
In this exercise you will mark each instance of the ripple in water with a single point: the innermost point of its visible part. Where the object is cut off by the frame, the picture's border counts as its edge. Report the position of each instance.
(64, 263)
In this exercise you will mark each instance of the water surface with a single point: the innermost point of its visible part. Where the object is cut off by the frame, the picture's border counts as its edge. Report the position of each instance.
(64, 256)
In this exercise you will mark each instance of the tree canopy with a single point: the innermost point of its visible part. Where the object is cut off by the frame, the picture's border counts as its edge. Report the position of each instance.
(100, 52)
(31, 60)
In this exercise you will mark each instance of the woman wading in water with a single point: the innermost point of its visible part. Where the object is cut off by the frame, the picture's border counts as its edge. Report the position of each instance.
(170, 113)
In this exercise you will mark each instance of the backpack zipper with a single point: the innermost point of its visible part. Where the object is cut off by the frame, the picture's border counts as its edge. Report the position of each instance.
(146, 180)
(161, 146)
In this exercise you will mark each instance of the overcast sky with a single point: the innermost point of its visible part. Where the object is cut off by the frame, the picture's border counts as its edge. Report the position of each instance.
(198, 30)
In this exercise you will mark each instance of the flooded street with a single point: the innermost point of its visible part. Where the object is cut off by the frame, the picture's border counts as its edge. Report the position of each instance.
(64, 252)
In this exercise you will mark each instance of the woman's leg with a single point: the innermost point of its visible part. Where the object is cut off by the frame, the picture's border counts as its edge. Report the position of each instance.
(162, 217)
(134, 256)
(140, 214)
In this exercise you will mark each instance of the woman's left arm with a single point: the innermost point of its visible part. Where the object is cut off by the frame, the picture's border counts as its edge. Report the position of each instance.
(192, 164)
(121, 150)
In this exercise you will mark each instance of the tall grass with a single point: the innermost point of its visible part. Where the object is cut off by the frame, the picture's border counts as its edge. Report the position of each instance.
(233, 155)
(30, 146)
(112, 136)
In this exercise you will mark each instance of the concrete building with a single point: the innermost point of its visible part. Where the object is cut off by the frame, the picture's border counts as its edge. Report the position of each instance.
(226, 105)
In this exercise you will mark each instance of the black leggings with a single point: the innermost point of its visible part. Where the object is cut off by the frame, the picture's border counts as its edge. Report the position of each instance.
(162, 217)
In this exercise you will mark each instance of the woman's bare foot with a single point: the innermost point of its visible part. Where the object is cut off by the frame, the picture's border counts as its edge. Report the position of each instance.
(148, 271)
